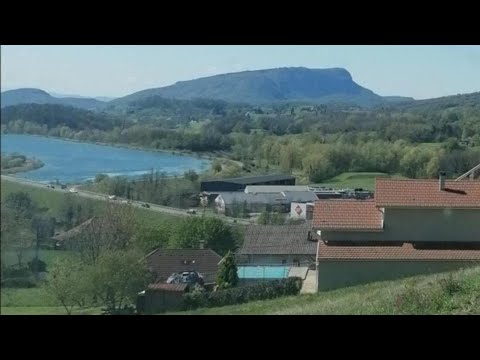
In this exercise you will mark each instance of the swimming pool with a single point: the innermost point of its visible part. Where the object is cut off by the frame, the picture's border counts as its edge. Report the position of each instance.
(262, 272)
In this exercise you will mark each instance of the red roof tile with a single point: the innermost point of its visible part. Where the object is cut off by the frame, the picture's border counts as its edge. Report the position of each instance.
(347, 215)
(405, 252)
(426, 193)
(168, 287)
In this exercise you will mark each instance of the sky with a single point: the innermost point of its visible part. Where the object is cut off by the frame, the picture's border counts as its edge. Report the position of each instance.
(116, 70)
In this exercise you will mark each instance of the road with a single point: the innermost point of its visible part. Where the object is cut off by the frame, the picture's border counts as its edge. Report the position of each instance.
(102, 197)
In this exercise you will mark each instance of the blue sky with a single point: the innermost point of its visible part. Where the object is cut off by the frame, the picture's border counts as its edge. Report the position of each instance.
(99, 70)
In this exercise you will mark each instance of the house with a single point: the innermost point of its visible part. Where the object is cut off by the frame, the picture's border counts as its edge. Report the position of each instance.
(416, 211)
(238, 184)
(291, 245)
(341, 266)
(64, 240)
(172, 270)
(411, 227)
(162, 263)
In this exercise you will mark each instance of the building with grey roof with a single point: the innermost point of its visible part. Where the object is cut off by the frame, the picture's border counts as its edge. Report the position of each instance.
(288, 245)
(239, 183)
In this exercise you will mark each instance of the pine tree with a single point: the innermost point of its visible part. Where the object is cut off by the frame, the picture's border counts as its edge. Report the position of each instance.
(227, 275)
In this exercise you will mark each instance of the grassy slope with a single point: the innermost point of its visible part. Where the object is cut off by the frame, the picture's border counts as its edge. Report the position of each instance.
(47, 310)
(37, 300)
(376, 298)
(54, 200)
(365, 180)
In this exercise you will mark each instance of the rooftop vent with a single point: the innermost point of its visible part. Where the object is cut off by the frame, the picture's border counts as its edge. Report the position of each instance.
(441, 181)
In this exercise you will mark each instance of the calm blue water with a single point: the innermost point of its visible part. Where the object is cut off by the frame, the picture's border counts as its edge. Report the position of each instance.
(72, 162)
(262, 272)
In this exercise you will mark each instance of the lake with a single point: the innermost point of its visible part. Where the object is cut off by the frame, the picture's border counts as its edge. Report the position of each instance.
(74, 162)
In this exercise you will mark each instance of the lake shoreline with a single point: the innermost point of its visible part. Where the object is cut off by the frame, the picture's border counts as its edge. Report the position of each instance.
(130, 161)
(29, 165)
(201, 155)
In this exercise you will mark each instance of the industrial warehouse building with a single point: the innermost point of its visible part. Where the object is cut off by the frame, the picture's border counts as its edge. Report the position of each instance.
(239, 184)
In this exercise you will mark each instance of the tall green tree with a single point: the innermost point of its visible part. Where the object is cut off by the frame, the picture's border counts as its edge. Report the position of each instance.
(227, 276)
(68, 283)
(215, 233)
(117, 277)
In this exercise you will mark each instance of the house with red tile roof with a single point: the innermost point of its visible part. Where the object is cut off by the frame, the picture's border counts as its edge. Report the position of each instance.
(342, 265)
(416, 211)
(410, 227)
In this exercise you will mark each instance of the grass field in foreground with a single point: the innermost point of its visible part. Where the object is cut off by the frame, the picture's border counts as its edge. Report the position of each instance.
(352, 180)
(375, 299)
(46, 310)
(54, 202)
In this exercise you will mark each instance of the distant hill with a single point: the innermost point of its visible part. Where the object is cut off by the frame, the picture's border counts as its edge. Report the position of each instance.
(37, 96)
(398, 99)
(268, 86)
(54, 115)
(441, 103)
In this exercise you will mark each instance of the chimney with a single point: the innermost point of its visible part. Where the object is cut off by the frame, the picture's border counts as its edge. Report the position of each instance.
(202, 244)
(441, 181)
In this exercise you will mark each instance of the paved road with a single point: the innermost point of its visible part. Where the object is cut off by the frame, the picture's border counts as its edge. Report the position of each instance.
(103, 197)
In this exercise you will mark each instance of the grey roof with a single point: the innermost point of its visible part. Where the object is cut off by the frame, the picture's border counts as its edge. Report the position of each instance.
(240, 197)
(255, 179)
(268, 198)
(73, 231)
(165, 262)
(300, 196)
(278, 240)
(274, 188)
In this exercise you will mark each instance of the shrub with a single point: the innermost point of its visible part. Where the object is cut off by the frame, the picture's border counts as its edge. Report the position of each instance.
(451, 286)
(432, 299)
(18, 283)
(12, 272)
(41, 266)
(261, 291)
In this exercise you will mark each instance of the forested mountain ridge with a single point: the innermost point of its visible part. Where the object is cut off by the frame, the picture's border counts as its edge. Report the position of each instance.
(37, 96)
(268, 86)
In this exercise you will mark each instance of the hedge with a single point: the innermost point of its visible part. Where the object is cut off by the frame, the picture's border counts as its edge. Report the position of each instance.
(239, 295)
(18, 283)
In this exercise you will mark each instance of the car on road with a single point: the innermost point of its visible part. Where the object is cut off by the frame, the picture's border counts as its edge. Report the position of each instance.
(112, 197)
(191, 211)
(73, 190)
(145, 205)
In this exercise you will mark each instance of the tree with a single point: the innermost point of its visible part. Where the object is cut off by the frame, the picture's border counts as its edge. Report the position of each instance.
(15, 232)
(216, 234)
(216, 166)
(21, 203)
(100, 177)
(117, 277)
(113, 230)
(264, 218)
(227, 275)
(44, 229)
(67, 283)
(191, 175)
(149, 237)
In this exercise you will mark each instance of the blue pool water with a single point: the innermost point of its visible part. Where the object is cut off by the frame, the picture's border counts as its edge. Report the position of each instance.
(73, 162)
(262, 272)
